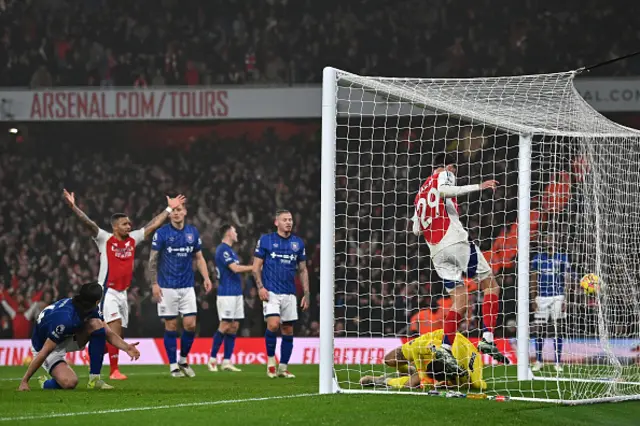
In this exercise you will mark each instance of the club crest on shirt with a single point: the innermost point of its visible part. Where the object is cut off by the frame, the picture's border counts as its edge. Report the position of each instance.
(189, 238)
(295, 246)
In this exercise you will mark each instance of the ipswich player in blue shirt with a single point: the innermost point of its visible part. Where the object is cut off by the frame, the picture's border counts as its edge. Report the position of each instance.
(230, 302)
(550, 271)
(67, 326)
(173, 249)
(277, 259)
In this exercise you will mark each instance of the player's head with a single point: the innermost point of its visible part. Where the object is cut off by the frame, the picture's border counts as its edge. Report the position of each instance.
(284, 221)
(445, 161)
(178, 214)
(88, 297)
(436, 371)
(228, 232)
(121, 225)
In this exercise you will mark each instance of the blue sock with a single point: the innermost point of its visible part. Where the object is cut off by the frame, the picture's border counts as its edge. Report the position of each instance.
(97, 343)
(539, 344)
(186, 341)
(270, 340)
(51, 384)
(171, 345)
(558, 347)
(217, 342)
(229, 344)
(285, 349)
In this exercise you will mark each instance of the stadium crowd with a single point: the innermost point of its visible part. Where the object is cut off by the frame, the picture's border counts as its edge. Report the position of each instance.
(167, 42)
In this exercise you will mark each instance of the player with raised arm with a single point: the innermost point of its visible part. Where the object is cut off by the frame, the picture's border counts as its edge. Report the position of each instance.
(173, 249)
(229, 301)
(436, 217)
(277, 259)
(416, 365)
(550, 271)
(66, 326)
(117, 250)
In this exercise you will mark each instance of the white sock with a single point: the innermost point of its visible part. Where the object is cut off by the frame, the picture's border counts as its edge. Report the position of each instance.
(182, 360)
(213, 360)
(271, 361)
(173, 367)
(488, 336)
(94, 377)
(446, 346)
(226, 361)
(282, 367)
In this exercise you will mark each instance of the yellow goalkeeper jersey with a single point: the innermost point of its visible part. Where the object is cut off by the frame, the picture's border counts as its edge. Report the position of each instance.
(421, 351)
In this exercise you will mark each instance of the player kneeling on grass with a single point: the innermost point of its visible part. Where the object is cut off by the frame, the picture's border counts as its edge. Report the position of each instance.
(67, 326)
(418, 364)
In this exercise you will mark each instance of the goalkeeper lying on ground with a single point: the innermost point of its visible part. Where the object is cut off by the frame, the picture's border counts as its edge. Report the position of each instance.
(418, 365)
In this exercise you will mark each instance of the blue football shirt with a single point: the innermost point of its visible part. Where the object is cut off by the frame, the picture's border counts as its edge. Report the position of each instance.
(229, 282)
(281, 256)
(176, 249)
(59, 321)
(552, 270)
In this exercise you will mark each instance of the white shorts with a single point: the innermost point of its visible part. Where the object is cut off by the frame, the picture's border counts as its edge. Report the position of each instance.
(549, 308)
(177, 301)
(59, 353)
(230, 308)
(115, 307)
(458, 259)
(283, 305)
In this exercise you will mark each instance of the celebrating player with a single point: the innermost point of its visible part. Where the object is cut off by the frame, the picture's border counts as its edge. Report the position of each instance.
(278, 256)
(173, 249)
(550, 271)
(416, 363)
(66, 326)
(117, 250)
(229, 300)
(436, 217)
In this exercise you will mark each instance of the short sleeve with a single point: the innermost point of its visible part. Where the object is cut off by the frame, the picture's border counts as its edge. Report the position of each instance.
(56, 333)
(447, 179)
(261, 249)
(101, 239)
(228, 258)
(157, 243)
(198, 245)
(138, 235)
(303, 253)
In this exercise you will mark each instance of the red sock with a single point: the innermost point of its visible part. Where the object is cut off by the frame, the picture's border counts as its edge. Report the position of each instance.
(490, 306)
(451, 327)
(113, 357)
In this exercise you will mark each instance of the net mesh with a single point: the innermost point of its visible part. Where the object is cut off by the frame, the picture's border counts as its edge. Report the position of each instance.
(584, 205)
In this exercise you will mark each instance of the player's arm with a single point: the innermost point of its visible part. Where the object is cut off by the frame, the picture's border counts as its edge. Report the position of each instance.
(156, 291)
(239, 269)
(303, 273)
(70, 199)
(259, 255)
(448, 189)
(533, 282)
(115, 340)
(201, 264)
(36, 363)
(157, 221)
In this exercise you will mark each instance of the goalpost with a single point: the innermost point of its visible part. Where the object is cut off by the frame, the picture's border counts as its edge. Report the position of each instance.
(568, 182)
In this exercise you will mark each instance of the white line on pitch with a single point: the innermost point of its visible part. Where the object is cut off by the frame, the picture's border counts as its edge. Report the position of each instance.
(151, 408)
(84, 376)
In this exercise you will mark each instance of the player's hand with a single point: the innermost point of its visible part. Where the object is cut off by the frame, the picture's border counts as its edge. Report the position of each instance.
(489, 184)
(304, 303)
(208, 286)
(24, 386)
(264, 294)
(176, 202)
(69, 198)
(156, 293)
(133, 352)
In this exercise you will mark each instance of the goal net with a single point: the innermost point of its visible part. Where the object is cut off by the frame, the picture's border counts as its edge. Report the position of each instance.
(567, 205)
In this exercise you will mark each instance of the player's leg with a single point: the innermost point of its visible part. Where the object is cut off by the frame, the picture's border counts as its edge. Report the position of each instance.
(62, 376)
(448, 263)
(118, 320)
(168, 312)
(188, 307)
(218, 337)
(271, 311)
(558, 324)
(229, 345)
(540, 319)
(479, 267)
(288, 317)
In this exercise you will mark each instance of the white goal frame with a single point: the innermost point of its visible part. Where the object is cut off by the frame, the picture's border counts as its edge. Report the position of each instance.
(328, 383)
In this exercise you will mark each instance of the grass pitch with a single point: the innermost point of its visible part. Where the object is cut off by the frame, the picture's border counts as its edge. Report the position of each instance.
(152, 397)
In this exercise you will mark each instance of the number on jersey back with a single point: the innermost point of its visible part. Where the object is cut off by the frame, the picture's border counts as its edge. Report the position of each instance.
(431, 208)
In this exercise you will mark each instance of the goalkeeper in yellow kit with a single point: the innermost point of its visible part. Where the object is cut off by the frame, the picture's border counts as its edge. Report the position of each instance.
(418, 364)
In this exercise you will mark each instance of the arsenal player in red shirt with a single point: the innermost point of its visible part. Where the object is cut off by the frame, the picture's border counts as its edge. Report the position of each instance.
(117, 249)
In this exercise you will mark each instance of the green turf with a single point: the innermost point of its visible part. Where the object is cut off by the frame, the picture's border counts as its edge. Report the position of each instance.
(149, 388)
